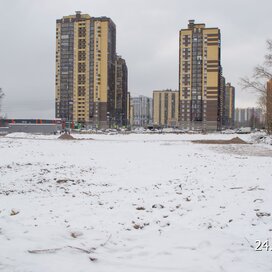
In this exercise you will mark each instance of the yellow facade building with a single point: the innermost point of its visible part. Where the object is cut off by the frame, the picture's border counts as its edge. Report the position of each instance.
(229, 106)
(199, 77)
(165, 108)
(85, 69)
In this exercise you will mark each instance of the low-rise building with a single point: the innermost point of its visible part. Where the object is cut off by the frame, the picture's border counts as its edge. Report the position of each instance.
(165, 108)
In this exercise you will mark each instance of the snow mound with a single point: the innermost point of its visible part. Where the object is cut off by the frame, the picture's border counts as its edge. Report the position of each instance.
(262, 138)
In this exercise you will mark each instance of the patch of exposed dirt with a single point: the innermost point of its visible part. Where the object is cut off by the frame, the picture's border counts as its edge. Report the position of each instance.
(244, 150)
(66, 136)
(235, 140)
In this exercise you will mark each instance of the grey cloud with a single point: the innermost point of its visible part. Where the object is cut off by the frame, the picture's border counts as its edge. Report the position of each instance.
(147, 37)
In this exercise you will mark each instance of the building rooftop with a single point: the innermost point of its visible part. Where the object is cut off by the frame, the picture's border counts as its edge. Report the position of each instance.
(193, 25)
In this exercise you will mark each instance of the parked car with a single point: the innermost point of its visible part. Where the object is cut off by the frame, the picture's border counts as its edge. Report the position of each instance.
(243, 130)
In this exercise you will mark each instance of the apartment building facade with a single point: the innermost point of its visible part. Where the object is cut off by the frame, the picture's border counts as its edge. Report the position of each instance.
(199, 77)
(121, 92)
(229, 106)
(85, 70)
(165, 108)
(222, 102)
(141, 111)
(249, 117)
(128, 109)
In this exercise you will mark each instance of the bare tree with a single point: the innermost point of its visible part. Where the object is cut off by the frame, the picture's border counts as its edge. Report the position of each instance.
(257, 83)
(1, 97)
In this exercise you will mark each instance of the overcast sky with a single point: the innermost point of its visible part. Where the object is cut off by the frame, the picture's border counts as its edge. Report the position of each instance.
(147, 37)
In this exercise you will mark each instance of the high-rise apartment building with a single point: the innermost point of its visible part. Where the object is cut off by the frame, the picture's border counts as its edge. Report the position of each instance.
(165, 108)
(199, 77)
(85, 69)
(249, 117)
(121, 92)
(222, 101)
(229, 106)
(128, 109)
(141, 111)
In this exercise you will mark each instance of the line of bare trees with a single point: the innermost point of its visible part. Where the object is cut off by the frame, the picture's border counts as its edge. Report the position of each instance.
(258, 84)
(1, 97)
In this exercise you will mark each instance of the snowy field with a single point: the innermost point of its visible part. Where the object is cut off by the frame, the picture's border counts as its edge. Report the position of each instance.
(134, 203)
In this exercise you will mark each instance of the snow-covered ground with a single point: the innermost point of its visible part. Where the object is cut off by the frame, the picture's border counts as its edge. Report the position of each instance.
(134, 203)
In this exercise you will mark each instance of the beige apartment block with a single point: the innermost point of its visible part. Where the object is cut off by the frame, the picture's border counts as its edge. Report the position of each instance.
(199, 77)
(128, 108)
(229, 103)
(85, 69)
(121, 92)
(165, 108)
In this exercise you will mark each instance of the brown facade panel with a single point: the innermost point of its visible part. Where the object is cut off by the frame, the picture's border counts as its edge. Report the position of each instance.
(212, 66)
(211, 104)
(102, 111)
(210, 44)
(212, 35)
(212, 88)
(211, 110)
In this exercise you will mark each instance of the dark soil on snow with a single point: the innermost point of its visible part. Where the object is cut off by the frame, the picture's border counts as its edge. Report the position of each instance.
(235, 140)
(66, 136)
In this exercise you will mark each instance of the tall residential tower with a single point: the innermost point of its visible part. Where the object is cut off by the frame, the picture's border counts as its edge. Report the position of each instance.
(141, 111)
(85, 69)
(199, 77)
(121, 92)
(229, 106)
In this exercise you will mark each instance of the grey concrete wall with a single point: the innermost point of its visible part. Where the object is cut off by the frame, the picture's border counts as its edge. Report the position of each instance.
(35, 128)
(4, 130)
